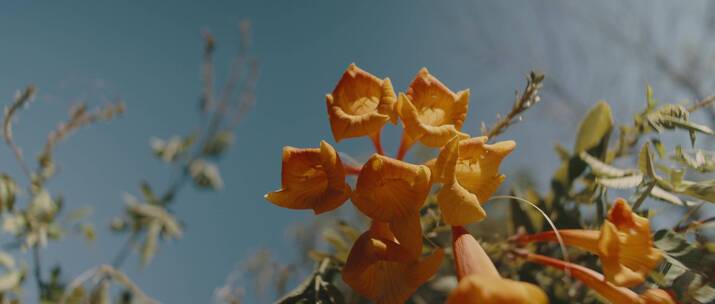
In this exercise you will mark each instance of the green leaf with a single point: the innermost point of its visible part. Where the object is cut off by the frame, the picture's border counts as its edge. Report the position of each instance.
(9, 280)
(601, 169)
(562, 152)
(42, 207)
(594, 128)
(218, 144)
(704, 190)
(8, 188)
(699, 160)
(205, 175)
(651, 103)
(645, 161)
(172, 149)
(704, 294)
(625, 182)
(659, 147)
(659, 193)
(676, 246)
(100, 294)
(149, 247)
(334, 239)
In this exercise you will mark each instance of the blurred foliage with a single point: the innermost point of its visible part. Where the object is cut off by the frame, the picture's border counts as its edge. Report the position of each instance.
(148, 220)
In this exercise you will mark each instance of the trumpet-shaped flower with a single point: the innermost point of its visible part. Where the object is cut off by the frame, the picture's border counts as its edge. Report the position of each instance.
(431, 112)
(623, 244)
(478, 289)
(392, 191)
(382, 270)
(360, 104)
(479, 281)
(596, 281)
(469, 170)
(311, 179)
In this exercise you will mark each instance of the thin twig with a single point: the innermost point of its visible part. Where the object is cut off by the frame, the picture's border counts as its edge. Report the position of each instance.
(123, 253)
(523, 102)
(703, 103)
(21, 100)
(37, 265)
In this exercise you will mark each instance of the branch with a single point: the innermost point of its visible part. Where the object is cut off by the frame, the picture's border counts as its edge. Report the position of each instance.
(22, 98)
(522, 103)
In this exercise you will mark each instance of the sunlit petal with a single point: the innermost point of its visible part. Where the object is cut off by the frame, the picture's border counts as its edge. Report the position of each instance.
(382, 271)
(311, 179)
(468, 170)
(431, 113)
(657, 296)
(469, 256)
(360, 104)
(388, 188)
(478, 289)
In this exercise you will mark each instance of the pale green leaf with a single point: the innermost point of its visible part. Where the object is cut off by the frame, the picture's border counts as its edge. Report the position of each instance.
(594, 128)
(601, 169)
(624, 182)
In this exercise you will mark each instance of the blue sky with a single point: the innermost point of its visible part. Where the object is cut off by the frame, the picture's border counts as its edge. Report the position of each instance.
(148, 53)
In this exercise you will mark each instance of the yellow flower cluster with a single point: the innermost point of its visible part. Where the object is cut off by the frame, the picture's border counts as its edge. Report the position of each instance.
(386, 264)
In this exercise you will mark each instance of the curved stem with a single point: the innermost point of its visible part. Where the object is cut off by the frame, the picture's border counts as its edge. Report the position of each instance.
(588, 277)
(405, 145)
(351, 170)
(38, 271)
(377, 143)
(123, 253)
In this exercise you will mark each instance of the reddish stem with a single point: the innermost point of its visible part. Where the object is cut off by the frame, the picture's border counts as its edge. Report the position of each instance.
(405, 145)
(377, 143)
(588, 277)
(351, 170)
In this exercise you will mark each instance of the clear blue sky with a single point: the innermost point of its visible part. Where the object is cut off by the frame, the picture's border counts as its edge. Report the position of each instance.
(148, 54)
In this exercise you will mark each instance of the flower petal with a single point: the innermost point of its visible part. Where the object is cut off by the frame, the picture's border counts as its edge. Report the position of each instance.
(408, 232)
(388, 189)
(469, 256)
(609, 251)
(430, 135)
(443, 169)
(360, 104)
(478, 168)
(311, 179)
(657, 296)
(459, 206)
(630, 249)
(430, 112)
(478, 289)
(382, 271)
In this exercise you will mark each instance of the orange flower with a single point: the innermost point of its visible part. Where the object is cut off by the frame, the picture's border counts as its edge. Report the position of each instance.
(382, 270)
(392, 191)
(469, 170)
(311, 179)
(477, 289)
(597, 282)
(624, 245)
(479, 281)
(360, 104)
(431, 112)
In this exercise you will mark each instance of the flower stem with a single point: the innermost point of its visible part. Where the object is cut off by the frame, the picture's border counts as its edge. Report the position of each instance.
(351, 170)
(375, 137)
(405, 145)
